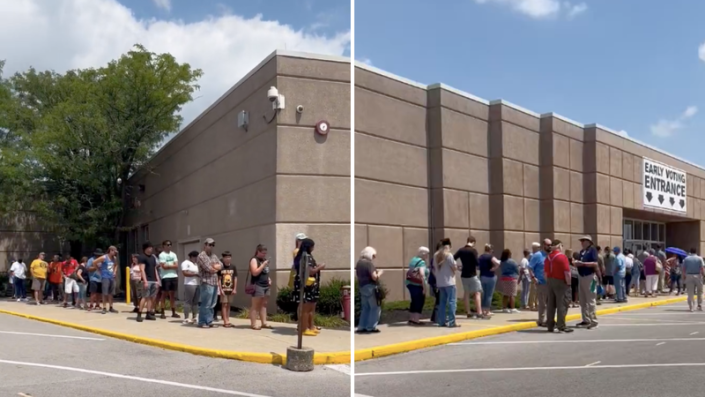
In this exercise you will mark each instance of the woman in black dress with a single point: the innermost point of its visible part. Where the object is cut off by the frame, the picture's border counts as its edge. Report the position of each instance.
(311, 286)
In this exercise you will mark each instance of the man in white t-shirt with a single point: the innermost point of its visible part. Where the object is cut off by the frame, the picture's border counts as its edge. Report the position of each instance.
(18, 272)
(168, 273)
(191, 290)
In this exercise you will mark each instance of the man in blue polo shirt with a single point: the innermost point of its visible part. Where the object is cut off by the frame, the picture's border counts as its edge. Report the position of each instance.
(589, 271)
(538, 274)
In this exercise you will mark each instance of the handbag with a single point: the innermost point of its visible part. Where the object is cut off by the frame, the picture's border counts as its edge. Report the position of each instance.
(413, 275)
(249, 287)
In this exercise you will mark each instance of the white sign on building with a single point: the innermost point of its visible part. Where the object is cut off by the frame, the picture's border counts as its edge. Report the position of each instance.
(664, 187)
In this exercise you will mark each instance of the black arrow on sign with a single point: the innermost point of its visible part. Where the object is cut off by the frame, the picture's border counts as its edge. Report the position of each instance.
(682, 203)
(649, 196)
(661, 198)
(672, 201)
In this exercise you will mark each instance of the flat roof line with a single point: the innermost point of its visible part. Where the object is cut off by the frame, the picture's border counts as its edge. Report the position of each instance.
(275, 53)
(522, 109)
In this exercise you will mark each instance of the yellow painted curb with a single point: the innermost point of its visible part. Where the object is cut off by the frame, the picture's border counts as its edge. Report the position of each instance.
(404, 347)
(261, 358)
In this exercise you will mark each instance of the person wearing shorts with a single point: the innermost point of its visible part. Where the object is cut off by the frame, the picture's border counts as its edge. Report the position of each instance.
(38, 270)
(227, 287)
(107, 268)
(259, 271)
(168, 267)
(150, 282)
(68, 269)
(94, 284)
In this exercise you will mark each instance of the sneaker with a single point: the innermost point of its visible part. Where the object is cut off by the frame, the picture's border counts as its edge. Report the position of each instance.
(162, 316)
(135, 310)
(139, 318)
(150, 317)
(185, 322)
(515, 311)
(593, 325)
(174, 315)
(506, 311)
(566, 330)
(103, 311)
(19, 300)
(582, 324)
(113, 310)
(193, 321)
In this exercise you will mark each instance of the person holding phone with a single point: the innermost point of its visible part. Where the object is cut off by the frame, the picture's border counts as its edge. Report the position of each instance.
(259, 271)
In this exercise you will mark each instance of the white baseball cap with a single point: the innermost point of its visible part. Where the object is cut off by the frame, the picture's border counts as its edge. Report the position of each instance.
(301, 236)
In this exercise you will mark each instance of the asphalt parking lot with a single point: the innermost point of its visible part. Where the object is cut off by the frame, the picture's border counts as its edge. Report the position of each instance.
(651, 352)
(44, 360)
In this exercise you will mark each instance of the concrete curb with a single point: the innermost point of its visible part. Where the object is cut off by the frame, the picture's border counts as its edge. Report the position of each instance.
(404, 347)
(260, 358)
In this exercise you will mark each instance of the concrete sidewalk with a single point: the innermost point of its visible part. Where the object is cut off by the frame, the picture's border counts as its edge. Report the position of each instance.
(401, 332)
(331, 345)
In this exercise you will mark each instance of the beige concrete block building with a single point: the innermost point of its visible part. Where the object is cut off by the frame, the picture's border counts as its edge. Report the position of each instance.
(434, 162)
(259, 184)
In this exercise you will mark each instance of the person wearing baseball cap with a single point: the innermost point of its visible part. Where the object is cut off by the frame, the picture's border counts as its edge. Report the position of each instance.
(558, 279)
(300, 237)
(589, 274)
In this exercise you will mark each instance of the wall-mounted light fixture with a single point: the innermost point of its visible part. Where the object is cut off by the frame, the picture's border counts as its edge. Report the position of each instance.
(278, 103)
(243, 120)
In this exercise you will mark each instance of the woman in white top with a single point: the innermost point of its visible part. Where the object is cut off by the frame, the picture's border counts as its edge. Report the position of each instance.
(191, 290)
(446, 267)
(525, 278)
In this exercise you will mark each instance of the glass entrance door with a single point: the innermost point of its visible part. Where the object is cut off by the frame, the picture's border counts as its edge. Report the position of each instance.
(643, 235)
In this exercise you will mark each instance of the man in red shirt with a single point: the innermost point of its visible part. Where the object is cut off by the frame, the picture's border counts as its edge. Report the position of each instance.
(56, 279)
(558, 279)
(70, 285)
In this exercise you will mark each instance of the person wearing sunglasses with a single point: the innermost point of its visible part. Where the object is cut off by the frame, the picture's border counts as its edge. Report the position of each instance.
(168, 265)
(208, 267)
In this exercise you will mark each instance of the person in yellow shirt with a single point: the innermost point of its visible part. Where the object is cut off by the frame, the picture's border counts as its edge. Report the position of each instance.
(38, 269)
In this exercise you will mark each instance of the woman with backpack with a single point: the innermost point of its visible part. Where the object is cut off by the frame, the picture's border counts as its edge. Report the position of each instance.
(416, 277)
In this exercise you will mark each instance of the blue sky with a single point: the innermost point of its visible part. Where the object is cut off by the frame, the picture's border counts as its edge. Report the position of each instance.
(625, 66)
(325, 17)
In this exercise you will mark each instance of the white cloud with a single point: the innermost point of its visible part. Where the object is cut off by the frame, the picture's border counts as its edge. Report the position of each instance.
(623, 133)
(540, 9)
(665, 128)
(67, 34)
(163, 4)
(367, 61)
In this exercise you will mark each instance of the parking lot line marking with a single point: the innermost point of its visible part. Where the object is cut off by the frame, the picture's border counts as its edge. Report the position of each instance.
(619, 316)
(128, 377)
(528, 342)
(343, 368)
(595, 363)
(660, 343)
(529, 369)
(51, 335)
(650, 324)
(685, 312)
(693, 333)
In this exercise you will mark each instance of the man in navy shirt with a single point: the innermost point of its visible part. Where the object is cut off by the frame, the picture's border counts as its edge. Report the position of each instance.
(589, 271)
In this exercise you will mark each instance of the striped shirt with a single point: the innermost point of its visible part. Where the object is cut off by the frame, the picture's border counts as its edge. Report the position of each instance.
(205, 268)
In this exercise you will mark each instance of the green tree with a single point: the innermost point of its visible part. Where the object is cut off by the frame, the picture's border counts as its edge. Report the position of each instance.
(70, 137)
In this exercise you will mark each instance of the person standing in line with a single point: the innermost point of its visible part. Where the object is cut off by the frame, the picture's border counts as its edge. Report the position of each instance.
(608, 275)
(107, 267)
(209, 266)
(300, 237)
(574, 277)
(601, 266)
(38, 270)
(259, 278)
(191, 290)
(651, 271)
(675, 274)
(637, 268)
(537, 269)
(94, 281)
(628, 265)
(136, 287)
(168, 273)
(508, 281)
(227, 284)
(433, 288)
(312, 287)
(525, 279)
(82, 282)
(18, 272)
(620, 273)
(694, 270)
(468, 276)
(68, 269)
(56, 279)
(488, 279)
(589, 272)
(661, 256)
(416, 280)
(445, 279)
(367, 278)
(150, 282)
(558, 282)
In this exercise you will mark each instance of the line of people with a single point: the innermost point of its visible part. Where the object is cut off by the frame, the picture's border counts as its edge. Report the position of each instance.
(209, 283)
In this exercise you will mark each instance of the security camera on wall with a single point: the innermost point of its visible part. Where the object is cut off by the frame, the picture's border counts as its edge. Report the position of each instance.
(277, 100)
